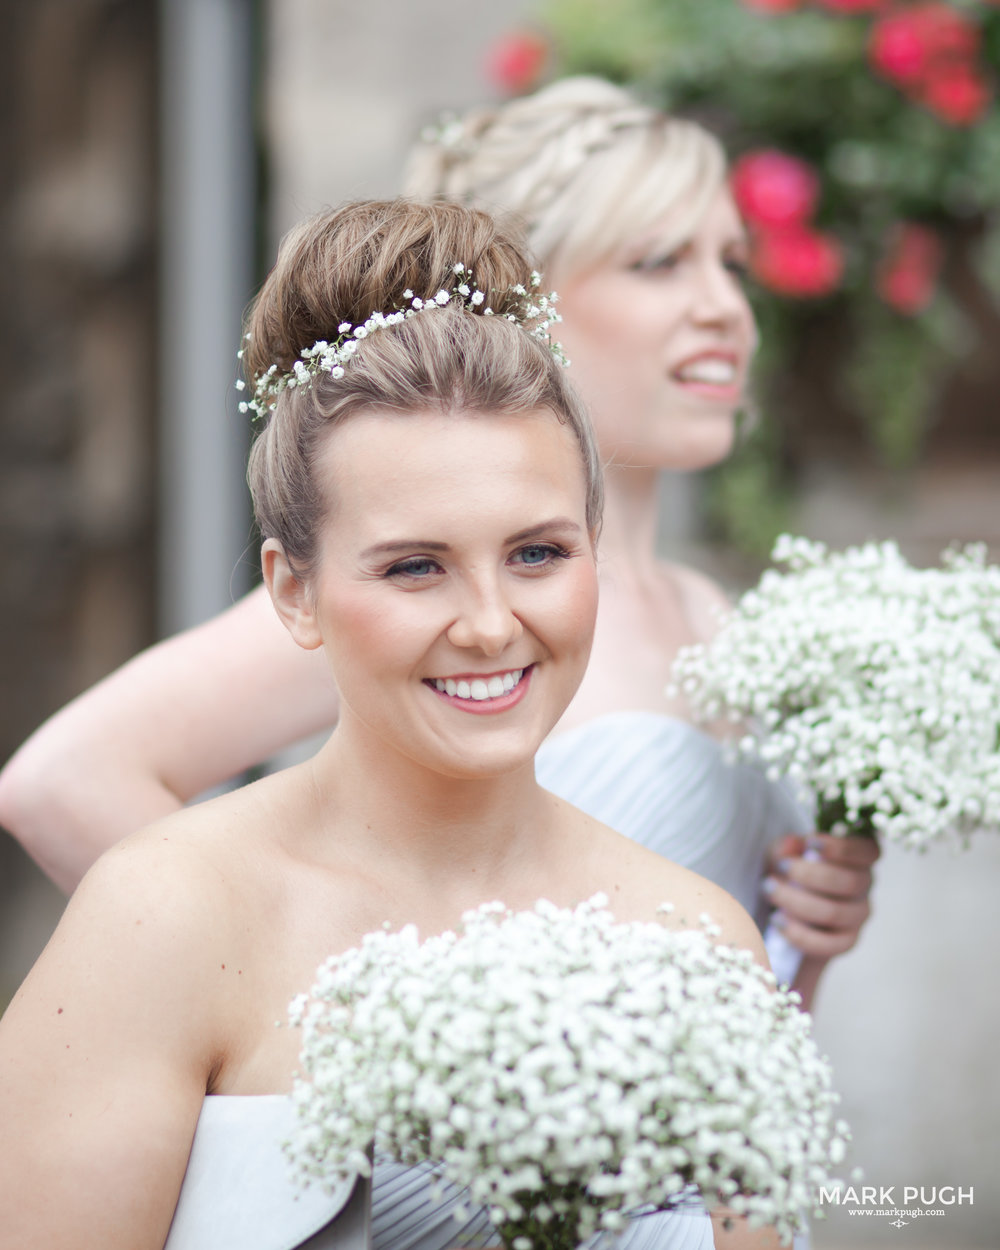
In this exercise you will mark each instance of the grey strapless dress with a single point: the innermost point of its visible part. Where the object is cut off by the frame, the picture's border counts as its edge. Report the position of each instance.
(652, 777)
(237, 1195)
(668, 786)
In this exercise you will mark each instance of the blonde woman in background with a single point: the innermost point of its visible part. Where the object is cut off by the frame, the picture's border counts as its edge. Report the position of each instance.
(629, 214)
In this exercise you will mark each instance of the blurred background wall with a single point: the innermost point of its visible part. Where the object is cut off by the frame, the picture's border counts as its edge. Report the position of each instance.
(146, 154)
(78, 161)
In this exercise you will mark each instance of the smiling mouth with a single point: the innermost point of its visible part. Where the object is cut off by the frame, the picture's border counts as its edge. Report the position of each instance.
(478, 689)
(709, 371)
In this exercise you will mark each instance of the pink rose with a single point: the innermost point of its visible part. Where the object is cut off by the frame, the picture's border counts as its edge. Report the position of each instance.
(773, 189)
(516, 61)
(905, 45)
(797, 261)
(908, 275)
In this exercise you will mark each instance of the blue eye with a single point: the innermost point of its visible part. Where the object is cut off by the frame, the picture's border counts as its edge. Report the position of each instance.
(537, 555)
(416, 567)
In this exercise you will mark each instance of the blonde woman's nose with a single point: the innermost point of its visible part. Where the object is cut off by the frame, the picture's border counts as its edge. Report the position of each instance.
(720, 294)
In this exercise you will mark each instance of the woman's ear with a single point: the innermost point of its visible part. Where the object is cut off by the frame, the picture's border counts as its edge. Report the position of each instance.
(290, 596)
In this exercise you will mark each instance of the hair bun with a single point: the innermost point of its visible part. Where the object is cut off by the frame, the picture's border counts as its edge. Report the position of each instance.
(362, 259)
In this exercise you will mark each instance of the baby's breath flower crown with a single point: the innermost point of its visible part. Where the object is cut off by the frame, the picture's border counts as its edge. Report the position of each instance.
(530, 308)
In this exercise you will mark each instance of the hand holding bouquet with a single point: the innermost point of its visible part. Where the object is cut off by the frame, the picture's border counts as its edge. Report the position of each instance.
(568, 1070)
(874, 684)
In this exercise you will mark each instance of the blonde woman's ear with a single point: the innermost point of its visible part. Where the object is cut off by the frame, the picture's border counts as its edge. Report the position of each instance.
(290, 596)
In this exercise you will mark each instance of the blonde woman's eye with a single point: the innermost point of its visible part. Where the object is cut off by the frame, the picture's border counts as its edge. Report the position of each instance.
(538, 555)
(739, 269)
(656, 264)
(415, 567)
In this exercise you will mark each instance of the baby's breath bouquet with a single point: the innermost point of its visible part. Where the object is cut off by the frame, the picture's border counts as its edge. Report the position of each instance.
(874, 684)
(568, 1070)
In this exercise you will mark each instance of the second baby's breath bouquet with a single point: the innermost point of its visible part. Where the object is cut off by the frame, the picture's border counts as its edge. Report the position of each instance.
(874, 684)
(567, 1069)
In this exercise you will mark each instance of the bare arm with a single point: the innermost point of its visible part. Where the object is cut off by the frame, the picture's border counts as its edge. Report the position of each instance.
(187, 714)
(105, 1054)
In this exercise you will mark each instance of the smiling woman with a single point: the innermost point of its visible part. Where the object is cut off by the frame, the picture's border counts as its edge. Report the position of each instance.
(629, 213)
(426, 484)
(456, 585)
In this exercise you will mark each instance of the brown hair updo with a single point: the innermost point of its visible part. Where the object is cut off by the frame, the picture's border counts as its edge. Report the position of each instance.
(345, 265)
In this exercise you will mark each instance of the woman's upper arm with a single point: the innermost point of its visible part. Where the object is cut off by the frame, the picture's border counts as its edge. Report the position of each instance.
(105, 1053)
(185, 715)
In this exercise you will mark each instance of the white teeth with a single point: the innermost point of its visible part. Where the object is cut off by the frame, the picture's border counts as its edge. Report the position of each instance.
(478, 688)
(715, 372)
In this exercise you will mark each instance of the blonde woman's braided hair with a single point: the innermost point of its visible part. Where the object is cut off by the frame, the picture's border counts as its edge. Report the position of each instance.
(583, 163)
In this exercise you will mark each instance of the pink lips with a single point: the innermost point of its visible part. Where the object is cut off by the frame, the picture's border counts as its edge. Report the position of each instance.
(486, 707)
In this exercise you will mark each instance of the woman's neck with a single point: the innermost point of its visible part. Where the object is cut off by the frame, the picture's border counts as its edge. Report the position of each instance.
(628, 535)
(436, 827)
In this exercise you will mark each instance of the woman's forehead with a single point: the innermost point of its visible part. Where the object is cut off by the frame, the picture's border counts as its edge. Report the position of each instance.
(380, 465)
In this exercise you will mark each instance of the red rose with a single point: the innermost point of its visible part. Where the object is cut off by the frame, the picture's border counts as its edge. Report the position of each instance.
(957, 93)
(905, 45)
(897, 50)
(798, 261)
(908, 275)
(773, 189)
(515, 62)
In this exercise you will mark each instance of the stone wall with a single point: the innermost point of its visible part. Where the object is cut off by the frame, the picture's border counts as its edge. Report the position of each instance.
(77, 327)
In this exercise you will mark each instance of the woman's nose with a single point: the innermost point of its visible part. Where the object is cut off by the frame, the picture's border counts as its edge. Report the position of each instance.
(486, 621)
(720, 295)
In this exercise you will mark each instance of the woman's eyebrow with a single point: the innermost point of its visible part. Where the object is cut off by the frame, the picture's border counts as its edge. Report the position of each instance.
(394, 546)
(559, 524)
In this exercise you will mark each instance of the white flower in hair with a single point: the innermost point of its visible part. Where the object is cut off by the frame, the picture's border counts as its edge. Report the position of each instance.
(536, 315)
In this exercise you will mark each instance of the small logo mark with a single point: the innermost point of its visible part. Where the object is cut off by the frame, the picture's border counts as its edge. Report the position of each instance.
(898, 1223)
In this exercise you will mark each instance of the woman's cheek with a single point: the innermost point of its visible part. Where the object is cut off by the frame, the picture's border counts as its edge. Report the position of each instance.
(575, 613)
(377, 624)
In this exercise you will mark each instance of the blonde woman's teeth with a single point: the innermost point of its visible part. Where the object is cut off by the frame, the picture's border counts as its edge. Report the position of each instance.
(480, 688)
(715, 372)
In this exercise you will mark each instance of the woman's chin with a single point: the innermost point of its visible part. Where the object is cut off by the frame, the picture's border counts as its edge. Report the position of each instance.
(700, 441)
(686, 447)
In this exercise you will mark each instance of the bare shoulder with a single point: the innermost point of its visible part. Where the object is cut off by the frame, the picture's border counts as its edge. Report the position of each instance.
(156, 902)
(694, 897)
(703, 600)
(117, 1033)
(638, 881)
(176, 888)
